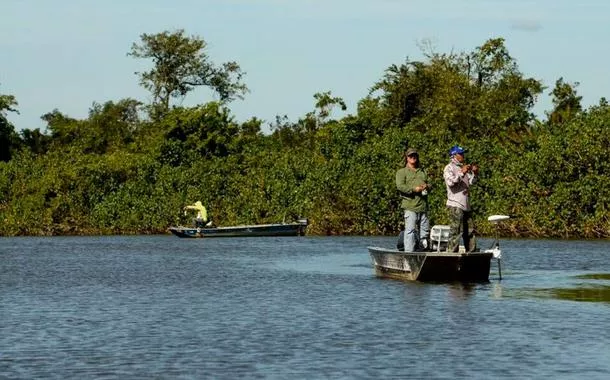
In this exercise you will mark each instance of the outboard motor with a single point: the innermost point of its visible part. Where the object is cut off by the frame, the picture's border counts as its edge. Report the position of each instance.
(303, 225)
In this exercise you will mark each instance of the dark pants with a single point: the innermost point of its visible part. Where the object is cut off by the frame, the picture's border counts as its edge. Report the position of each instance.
(458, 224)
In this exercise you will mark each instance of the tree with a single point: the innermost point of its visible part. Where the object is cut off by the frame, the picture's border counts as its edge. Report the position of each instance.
(490, 62)
(111, 125)
(566, 102)
(402, 90)
(36, 141)
(64, 129)
(7, 102)
(325, 103)
(206, 131)
(472, 95)
(180, 65)
(9, 139)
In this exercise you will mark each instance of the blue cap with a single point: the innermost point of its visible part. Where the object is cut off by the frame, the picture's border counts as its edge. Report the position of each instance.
(456, 149)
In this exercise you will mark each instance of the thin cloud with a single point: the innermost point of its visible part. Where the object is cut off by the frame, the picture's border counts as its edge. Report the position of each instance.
(526, 25)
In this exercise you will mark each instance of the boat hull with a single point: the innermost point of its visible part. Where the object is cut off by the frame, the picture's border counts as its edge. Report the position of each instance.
(288, 229)
(431, 266)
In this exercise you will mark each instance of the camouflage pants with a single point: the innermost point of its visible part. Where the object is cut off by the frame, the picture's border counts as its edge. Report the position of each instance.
(458, 225)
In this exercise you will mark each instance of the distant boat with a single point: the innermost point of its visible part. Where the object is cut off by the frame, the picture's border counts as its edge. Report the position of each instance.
(279, 229)
(437, 265)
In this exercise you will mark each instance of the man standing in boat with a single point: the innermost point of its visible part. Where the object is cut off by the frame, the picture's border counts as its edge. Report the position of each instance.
(202, 213)
(459, 176)
(412, 183)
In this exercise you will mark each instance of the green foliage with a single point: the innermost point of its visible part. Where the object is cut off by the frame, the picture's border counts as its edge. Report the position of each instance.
(180, 65)
(7, 104)
(566, 102)
(112, 126)
(9, 139)
(325, 103)
(116, 172)
(109, 127)
(36, 141)
(467, 95)
(202, 132)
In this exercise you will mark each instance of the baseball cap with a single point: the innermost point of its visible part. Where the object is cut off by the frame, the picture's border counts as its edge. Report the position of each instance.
(456, 149)
(411, 151)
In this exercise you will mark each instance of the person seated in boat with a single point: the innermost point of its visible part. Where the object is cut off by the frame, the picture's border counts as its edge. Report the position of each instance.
(459, 176)
(202, 214)
(412, 183)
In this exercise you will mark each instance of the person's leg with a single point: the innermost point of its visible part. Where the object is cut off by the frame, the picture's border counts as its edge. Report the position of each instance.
(400, 243)
(472, 233)
(465, 231)
(416, 232)
(424, 231)
(455, 224)
(410, 222)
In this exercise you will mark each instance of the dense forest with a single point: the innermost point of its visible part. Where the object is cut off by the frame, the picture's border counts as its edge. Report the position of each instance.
(130, 167)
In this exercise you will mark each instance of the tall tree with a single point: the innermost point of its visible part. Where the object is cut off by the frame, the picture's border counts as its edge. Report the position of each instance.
(477, 94)
(402, 90)
(490, 62)
(36, 141)
(325, 103)
(180, 65)
(63, 129)
(566, 102)
(9, 139)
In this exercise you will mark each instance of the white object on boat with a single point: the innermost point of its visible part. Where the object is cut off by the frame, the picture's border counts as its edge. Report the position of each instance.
(439, 237)
(498, 218)
(496, 252)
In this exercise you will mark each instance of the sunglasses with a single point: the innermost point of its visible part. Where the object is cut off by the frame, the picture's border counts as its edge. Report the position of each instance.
(413, 156)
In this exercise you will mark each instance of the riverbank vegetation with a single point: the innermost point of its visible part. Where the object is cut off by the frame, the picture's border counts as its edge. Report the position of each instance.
(130, 167)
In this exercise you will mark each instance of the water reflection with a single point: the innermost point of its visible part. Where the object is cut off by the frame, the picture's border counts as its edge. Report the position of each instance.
(461, 290)
(496, 290)
(595, 276)
(583, 294)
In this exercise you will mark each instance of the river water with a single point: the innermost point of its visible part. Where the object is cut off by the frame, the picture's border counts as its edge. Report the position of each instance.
(143, 307)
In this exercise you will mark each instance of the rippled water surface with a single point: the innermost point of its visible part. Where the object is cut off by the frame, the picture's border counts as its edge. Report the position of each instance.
(303, 308)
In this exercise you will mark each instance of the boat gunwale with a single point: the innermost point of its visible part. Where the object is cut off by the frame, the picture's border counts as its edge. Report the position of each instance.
(381, 250)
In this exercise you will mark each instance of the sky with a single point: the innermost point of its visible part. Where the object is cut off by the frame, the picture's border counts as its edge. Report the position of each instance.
(68, 54)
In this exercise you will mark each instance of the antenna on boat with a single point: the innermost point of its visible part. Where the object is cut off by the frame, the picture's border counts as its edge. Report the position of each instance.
(495, 247)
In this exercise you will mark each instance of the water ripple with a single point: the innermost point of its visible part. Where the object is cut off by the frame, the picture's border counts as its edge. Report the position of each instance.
(274, 308)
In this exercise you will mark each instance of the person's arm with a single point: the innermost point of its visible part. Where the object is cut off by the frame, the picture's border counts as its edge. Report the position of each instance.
(405, 183)
(202, 213)
(473, 174)
(427, 180)
(452, 177)
(472, 178)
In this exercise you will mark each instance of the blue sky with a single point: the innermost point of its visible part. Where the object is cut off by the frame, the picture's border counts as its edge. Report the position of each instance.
(66, 54)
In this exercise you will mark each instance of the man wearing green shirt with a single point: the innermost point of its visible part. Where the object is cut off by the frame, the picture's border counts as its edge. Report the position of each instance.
(412, 183)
